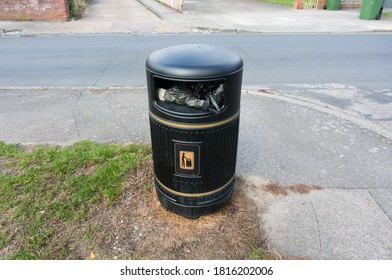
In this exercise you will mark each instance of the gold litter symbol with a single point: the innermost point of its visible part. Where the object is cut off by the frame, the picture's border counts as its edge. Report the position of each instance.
(187, 160)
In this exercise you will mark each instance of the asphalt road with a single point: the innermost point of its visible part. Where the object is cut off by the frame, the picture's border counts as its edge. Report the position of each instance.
(350, 73)
(363, 61)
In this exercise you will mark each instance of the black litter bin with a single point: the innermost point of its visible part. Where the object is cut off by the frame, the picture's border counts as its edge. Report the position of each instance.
(194, 96)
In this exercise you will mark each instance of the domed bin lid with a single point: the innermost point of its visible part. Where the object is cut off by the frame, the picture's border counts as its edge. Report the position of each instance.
(193, 61)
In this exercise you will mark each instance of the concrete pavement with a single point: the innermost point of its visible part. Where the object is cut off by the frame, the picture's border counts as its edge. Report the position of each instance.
(101, 16)
(256, 16)
(148, 16)
(281, 139)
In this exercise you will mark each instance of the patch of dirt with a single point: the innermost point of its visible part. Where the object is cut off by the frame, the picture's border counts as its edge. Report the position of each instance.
(6, 167)
(3, 167)
(276, 189)
(28, 148)
(262, 90)
(303, 189)
(138, 227)
(86, 170)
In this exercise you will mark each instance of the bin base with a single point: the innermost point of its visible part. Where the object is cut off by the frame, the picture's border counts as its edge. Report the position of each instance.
(191, 211)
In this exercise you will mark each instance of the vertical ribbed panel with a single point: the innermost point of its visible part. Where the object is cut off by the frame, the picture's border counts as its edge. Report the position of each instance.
(218, 153)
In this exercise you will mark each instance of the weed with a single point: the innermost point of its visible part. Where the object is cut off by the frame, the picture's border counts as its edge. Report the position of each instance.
(280, 2)
(148, 186)
(387, 15)
(260, 253)
(77, 8)
(22, 255)
(9, 150)
(4, 238)
(138, 256)
(257, 254)
(91, 229)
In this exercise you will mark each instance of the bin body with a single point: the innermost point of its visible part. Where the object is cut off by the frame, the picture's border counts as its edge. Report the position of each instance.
(194, 150)
(333, 5)
(370, 9)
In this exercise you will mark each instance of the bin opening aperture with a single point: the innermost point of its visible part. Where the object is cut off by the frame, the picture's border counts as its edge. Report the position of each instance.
(208, 96)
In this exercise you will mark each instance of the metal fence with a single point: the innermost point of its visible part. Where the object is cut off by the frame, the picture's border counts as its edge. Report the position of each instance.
(310, 4)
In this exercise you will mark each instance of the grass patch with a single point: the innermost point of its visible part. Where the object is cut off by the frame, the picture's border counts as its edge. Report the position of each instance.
(260, 254)
(280, 2)
(97, 201)
(386, 15)
(45, 189)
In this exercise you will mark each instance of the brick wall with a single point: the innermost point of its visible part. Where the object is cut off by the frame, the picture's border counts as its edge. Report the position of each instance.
(321, 3)
(309, 4)
(52, 10)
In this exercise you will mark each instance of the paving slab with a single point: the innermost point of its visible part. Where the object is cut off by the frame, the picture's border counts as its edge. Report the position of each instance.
(329, 224)
(69, 115)
(384, 199)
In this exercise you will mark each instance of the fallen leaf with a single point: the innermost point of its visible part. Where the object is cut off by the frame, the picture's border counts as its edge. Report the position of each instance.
(92, 255)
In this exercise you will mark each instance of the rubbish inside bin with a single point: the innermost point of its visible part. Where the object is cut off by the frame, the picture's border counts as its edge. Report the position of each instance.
(206, 96)
(181, 96)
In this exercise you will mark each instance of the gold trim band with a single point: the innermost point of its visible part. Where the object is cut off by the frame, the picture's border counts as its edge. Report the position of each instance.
(193, 125)
(194, 194)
